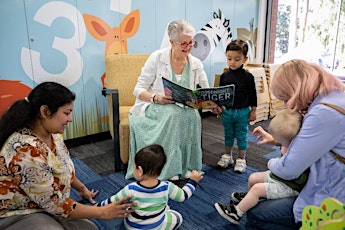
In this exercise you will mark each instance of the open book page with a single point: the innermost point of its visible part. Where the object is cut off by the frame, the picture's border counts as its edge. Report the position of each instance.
(202, 98)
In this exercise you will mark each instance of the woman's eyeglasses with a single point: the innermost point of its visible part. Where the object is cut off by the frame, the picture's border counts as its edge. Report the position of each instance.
(185, 44)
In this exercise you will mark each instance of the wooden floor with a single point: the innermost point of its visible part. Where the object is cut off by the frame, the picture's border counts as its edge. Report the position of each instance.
(98, 154)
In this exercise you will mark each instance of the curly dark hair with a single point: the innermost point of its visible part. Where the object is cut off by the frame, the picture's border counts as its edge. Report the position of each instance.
(238, 45)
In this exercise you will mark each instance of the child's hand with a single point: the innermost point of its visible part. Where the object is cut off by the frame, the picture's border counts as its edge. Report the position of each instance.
(219, 116)
(252, 116)
(196, 176)
(218, 110)
(267, 138)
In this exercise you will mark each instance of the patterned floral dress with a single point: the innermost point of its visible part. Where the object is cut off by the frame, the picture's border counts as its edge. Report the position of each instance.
(35, 178)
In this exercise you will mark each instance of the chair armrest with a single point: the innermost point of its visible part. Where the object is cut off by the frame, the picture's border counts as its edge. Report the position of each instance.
(114, 93)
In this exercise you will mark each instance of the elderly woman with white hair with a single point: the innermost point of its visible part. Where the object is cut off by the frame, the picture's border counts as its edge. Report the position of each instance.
(156, 118)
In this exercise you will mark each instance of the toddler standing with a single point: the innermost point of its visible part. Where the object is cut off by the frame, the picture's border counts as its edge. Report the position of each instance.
(236, 118)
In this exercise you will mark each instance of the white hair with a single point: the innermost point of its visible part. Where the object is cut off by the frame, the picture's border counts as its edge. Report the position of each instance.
(178, 27)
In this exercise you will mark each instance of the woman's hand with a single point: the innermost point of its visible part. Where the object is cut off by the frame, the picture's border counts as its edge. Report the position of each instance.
(118, 209)
(88, 195)
(267, 138)
(114, 210)
(163, 99)
(83, 191)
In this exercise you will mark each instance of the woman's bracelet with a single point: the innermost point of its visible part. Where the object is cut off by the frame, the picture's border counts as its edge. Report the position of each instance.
(152, 98)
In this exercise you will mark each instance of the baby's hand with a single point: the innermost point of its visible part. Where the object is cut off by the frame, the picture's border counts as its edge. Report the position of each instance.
(197, 176)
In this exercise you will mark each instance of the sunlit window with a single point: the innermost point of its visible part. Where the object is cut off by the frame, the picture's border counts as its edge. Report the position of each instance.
(311, 30)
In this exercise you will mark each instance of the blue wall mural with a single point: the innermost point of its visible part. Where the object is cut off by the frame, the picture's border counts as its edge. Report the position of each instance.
(66, 41)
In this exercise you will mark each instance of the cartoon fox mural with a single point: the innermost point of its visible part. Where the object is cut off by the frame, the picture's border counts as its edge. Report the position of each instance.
(115, 38)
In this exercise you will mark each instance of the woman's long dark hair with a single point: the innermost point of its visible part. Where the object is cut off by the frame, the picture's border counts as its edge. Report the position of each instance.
(23, 113)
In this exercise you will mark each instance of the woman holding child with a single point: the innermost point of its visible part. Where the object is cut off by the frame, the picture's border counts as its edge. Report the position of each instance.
(156, 119)
(319, 145)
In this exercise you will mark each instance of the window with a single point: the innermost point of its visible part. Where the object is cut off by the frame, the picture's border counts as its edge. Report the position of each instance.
(309, 30)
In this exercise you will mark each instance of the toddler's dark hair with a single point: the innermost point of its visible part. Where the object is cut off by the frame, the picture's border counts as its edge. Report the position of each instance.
(238, 45)
(152, 159)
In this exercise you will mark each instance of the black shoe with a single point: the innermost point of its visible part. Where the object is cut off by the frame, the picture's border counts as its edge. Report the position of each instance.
(228, 212)
(238, 196)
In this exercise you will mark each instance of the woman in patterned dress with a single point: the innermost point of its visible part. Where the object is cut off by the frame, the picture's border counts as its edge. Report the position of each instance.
(36, 171)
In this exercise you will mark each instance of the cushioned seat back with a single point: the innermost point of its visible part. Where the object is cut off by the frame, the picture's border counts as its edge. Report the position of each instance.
(122, 72)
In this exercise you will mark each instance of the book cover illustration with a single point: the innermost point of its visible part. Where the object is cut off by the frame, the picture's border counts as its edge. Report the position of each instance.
(202, 98)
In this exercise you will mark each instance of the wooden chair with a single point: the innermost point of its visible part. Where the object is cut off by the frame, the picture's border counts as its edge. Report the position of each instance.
(122, 72)
(330, 215)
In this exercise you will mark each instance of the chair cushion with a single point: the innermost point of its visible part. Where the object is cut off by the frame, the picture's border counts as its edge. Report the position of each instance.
(124, 140)
(122, 72)
(123, 132)
(124, 112)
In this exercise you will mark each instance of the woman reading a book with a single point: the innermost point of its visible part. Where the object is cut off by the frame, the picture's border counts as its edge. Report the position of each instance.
(156, 118)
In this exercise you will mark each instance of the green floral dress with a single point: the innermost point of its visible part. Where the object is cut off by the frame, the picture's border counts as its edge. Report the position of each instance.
(177, 128)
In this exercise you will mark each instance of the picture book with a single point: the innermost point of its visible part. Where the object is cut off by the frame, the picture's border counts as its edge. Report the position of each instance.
(201, 98)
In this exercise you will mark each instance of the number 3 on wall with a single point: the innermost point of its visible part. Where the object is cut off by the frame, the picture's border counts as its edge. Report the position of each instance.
(69, 47)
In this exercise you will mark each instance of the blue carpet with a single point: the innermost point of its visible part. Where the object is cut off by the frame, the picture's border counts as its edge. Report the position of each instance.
(198, 212)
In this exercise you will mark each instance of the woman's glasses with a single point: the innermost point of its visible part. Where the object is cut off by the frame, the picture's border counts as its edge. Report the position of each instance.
(186, 44)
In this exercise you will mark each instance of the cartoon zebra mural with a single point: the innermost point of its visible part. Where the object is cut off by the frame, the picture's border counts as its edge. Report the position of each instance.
(209, 36)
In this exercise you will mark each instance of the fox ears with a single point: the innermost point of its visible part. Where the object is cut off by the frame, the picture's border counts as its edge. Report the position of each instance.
(101, 31)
